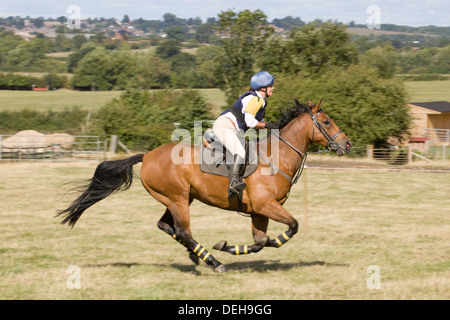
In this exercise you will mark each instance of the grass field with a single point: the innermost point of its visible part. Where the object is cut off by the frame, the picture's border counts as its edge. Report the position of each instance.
(418, 91)
(396, 221)
(426, 91)
(54, 100)
(63, 99)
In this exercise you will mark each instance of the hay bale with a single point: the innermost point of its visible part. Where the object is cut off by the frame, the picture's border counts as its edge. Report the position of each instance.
(24, 140)
(63, 140)
(34, 141)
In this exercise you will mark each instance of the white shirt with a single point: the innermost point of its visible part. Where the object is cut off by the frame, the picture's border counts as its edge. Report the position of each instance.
(250, 119)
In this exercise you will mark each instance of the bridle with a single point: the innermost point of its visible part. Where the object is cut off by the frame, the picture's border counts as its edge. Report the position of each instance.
(332, 145)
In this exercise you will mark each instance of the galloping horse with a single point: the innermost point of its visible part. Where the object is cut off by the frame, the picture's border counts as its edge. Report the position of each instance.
(176, 185)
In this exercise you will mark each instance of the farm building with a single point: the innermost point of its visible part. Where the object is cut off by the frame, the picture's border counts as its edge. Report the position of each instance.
(431, 119)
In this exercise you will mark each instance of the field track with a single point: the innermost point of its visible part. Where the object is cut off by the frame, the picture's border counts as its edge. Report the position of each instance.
(396, 221)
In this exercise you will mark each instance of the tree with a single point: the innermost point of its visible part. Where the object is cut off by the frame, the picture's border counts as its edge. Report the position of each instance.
(441, 61)
(384, 59)
(146, 120)
(176, 32)
(101, 70)
(78, 55)
(243, 36)
(317, 46)
(203, 32)
(126, 19)
(368, 108)
(168, 48)
(276, 56)
(91, 73)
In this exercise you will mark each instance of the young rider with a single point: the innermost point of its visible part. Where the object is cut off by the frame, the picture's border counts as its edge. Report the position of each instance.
(247, 112)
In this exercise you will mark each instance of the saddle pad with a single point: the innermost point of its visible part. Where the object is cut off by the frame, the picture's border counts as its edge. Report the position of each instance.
(215, 162)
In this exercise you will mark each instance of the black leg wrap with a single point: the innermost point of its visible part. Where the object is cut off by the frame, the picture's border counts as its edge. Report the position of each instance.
(238, 249)
(203, 254)
(279, 241)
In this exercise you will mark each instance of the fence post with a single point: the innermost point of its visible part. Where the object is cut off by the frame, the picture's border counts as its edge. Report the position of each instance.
(409, 154)
(444, 152)
(113, 145)
(370, 152)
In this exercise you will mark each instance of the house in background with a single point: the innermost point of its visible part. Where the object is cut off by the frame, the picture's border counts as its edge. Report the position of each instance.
(431, 120)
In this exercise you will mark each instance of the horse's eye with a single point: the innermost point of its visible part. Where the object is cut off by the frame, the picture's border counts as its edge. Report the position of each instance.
(327, 122)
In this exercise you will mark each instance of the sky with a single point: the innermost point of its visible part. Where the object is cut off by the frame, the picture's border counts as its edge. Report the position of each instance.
(401, 12)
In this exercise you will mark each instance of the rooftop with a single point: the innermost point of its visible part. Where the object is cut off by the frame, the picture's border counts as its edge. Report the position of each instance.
(439, 106)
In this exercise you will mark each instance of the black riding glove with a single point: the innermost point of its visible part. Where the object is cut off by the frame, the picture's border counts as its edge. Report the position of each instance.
(270, 125)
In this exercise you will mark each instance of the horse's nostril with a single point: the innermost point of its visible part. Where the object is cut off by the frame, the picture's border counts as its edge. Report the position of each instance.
(348, 145)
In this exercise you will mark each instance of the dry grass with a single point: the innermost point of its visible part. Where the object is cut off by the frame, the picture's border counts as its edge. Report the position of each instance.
(397, 221)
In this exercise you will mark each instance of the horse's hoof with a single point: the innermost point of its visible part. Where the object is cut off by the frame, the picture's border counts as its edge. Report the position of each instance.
(220, 268)
(194, 258)
(220, 245)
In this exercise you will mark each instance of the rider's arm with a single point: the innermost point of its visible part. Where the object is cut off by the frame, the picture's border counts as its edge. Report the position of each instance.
(250, 111)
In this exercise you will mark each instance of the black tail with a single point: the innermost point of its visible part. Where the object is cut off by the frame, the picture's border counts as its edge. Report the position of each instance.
(109, 176)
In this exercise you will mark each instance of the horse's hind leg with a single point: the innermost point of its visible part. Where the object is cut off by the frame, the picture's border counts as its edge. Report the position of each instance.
(178, 227)
(166, 224)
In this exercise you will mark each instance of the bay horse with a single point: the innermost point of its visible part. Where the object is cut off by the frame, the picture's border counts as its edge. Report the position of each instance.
(176, 185)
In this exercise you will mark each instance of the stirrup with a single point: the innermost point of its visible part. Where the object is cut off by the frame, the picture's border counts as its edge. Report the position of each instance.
(237, 188)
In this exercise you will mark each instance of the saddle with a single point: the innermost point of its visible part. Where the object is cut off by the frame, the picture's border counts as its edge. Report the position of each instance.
(216, 159)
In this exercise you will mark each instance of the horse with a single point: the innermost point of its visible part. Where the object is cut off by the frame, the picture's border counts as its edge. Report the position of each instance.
(176, 185)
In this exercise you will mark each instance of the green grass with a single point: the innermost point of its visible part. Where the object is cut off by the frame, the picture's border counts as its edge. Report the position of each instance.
(426, 91)
(63, 99)
(395, 220)
(54, 100)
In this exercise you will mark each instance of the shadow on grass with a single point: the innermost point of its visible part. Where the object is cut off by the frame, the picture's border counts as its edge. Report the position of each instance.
(255, 266)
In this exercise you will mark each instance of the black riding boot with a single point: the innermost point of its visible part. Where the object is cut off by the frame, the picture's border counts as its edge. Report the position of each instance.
(236, 185)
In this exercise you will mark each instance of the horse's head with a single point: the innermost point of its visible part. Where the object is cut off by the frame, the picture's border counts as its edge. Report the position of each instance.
(325, 132)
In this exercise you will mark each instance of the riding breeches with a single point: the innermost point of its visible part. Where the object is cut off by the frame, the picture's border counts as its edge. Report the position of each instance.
(228, 135)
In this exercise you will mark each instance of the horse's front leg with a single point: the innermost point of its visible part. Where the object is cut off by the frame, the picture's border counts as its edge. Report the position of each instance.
(259, 228)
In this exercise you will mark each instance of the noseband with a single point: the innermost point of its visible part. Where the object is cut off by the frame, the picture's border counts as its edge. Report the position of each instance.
(332, 144)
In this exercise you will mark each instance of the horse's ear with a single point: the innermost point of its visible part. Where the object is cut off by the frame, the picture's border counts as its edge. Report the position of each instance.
(297, 103)
(310, 103)
(318, 105)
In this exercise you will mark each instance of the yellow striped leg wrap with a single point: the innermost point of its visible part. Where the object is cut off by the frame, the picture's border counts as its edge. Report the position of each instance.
(175, 237)
(282, 239)
(201, 252)
(241, 249)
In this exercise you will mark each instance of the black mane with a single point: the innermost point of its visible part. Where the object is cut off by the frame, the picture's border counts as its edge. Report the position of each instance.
(290, 113)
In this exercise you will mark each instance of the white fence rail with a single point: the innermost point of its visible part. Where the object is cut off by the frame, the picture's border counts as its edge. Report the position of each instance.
(51, 148)
(437, 136)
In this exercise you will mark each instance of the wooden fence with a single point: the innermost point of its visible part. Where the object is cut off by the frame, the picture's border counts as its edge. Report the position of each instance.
(406, 154)
(78, 148)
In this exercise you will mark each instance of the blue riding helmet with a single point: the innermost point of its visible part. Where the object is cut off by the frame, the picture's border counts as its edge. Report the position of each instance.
(261, 80)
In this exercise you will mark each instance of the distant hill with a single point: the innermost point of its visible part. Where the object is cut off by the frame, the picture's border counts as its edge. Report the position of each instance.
(392, 29)
(376, 32)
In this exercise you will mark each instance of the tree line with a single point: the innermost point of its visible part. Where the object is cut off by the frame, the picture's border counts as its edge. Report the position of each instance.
(316, 60)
